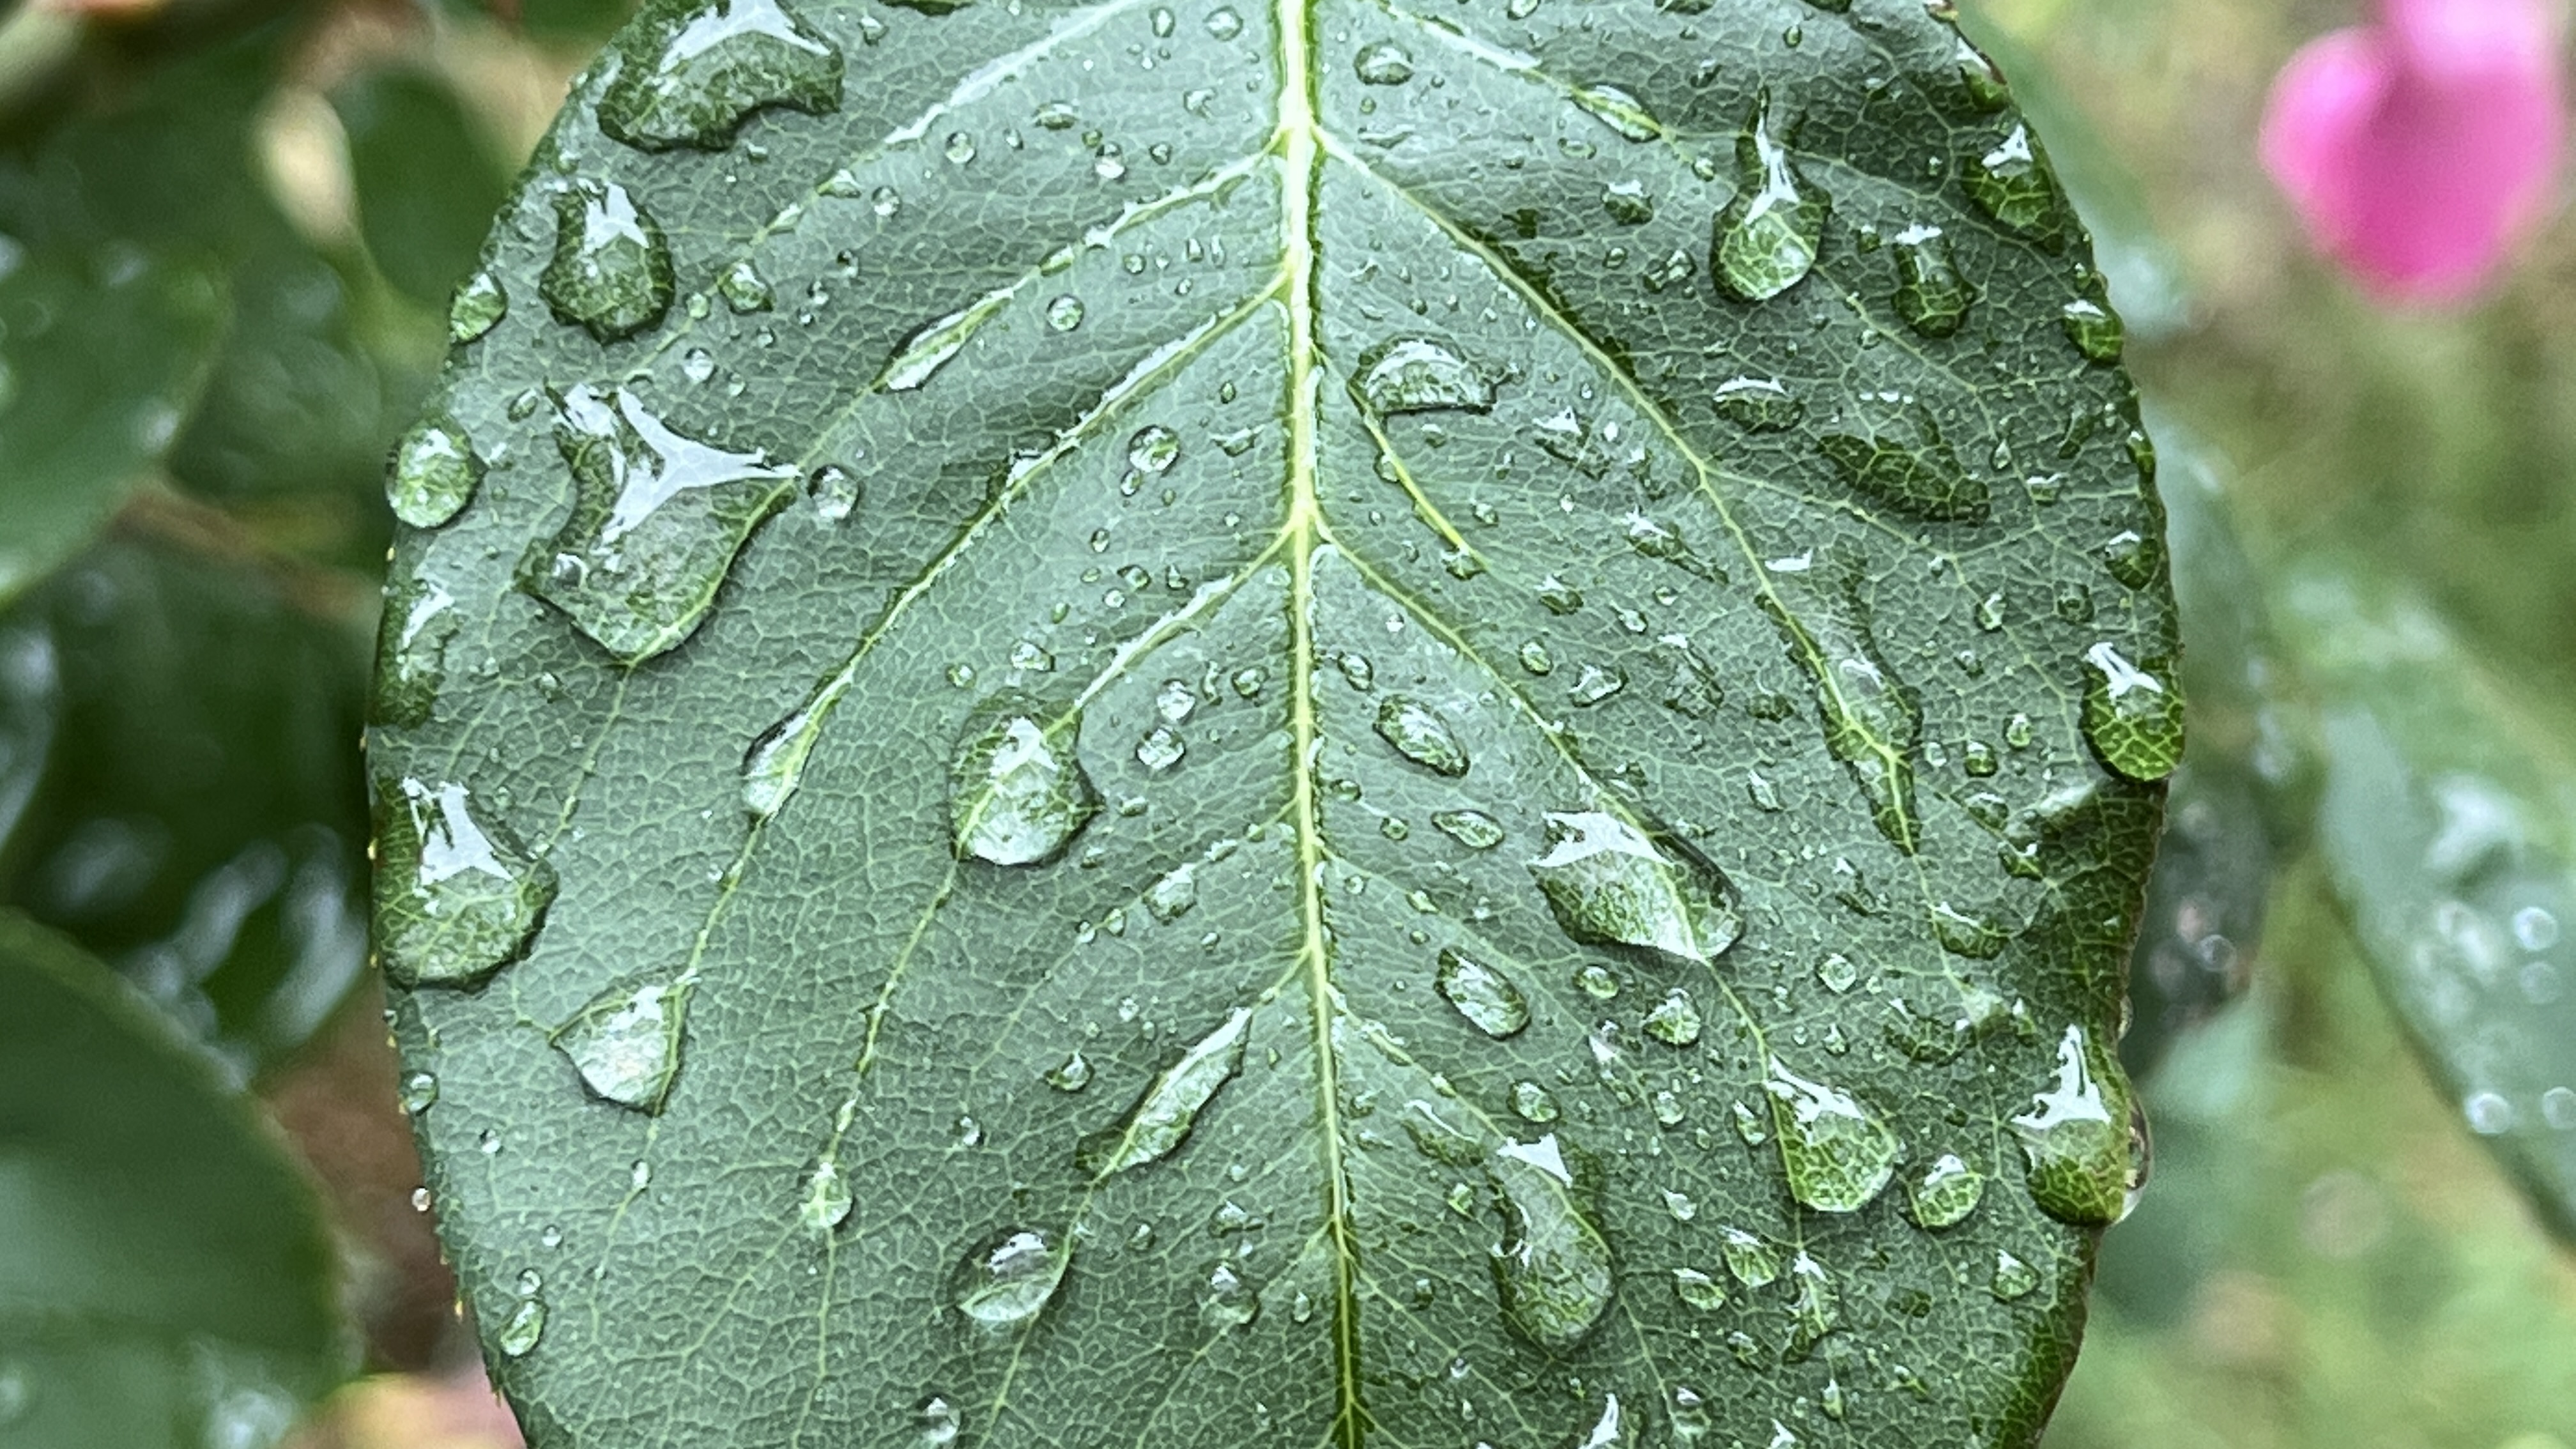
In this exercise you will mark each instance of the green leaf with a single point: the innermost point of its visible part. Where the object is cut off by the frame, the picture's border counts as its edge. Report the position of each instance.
(100, 361)
(425, 175)
(177, 790)
(164, 1274)
(1108, 749)
(2444, 827)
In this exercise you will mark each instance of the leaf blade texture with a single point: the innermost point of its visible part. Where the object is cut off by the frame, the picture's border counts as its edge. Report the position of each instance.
(1054, 599)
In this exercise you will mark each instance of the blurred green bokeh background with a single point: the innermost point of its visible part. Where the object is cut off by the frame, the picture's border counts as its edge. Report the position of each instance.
(228, 231)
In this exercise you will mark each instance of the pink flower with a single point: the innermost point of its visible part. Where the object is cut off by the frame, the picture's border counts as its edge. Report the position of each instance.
(2420, 147)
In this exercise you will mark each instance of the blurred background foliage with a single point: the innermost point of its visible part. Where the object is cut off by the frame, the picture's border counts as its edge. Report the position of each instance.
(228, 232)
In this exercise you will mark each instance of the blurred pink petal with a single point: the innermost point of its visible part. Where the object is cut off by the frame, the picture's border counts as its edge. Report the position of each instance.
(2418, 149)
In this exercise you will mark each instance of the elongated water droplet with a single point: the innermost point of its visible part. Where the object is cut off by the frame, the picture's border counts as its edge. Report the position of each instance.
(1698, 1290)
(689, 77)
(2011, 182)
(1420, 734)
(1620, 111)
(930, 347)
(1750, 1259)
(827, 1199)
(611, 270)
(2075, 1136)
(775, 764)
(626, 1041)
(434, 472)
(1628, 203)
(1419, 375)
(1891, 449)
(1383, 63)
(1759, 404)
(457, 898)
(1017, 792)
(1609, 884)
(1872, 718)
(1483, 995)
(1070, 1075)
(520, 1332)
(2132, 715)
(657, 518)
(1765, 240)
(1552, 1272)
(1011, 1277)
(1162, 1118)
(1945, 1192)
(2013, 1278)
(1815, 1307)
(478, 307)
(420, 617)
(1837, 1152)
(2094, 329)
(1473, 829)
(1931, 296)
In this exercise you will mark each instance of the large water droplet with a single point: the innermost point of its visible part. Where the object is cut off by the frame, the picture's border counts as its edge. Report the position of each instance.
(1945, 1192)
(1609, 884)
(1930, 294)
(1759, 404)
(478, 307)
(1383, 63)
(1473, 829)
(434, 473)
(626, 1041)
(1228, 1302)
(2094, 329)
(2012, 183)
(1620, 111)
(1010, 1278)
(1552, 1272)
(611, 271)
(1765, 240)
(1419, 375)
(1420, 734)
(420, 617)
(1837, 1152)
(689, 77)
(456, 898)
(1162, 1118)
(1872, 719)
(775, 764)
(657, 518)
(1483, 995)
(2133, 716)
(2013, 1278)
(519, 1333)
(1017, 791)
(2076, 1136)
(1750, 1259)
(1891, 449)
(930, 347)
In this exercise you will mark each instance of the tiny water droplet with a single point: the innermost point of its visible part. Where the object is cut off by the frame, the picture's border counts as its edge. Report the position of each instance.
(2013, 1278)
(1064, 313)
(1759, 404)
(1618, 110)
(1931, 296)
(520, 1332)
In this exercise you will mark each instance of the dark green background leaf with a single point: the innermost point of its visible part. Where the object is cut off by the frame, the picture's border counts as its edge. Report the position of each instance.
(961, 953)
(2445, 830)
(164, 1274)
(427, 179)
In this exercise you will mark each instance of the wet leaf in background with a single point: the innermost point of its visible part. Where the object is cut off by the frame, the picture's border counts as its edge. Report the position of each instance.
(2445, 828)
(165, 1278)
(1035, 592)
(176, 739)
(427, 179)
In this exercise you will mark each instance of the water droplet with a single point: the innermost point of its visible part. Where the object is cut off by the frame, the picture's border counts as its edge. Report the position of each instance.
(835, 491)
(1628, 203)
(1838, 973)
(1483, 995)
(959, 148)
(1532, 1102)
(1749, 1258)
(745, 289)
(1419, 734)
(419, 1092)
(1071, 1075)
(1160, 749)
(611, 269)
(1011, 1277)
(2076, 1135)
(1383, 63)
(1595, 683)
(2132, 560)
(434, 473)
(478, 307)
(828, 1200)
(1608, 884)
(2094, 329)
(1618, 110)
(933, 344)
(520, 1332)
(657, 518)
(1675, 1020)
(626, 1041)
(1064, 313)
(1224, 23)
(1872, 718)
(1765, 240)
(1473, 829)
(1890, 448)
(885, 201)
(1153, 449)
(2012, 183)
(1698, 1290)
(689, 77)
(1552, 1271)
(2133, 716)
(457, 898)
(1017, 792)
(1418, 375)
(1945, 1192)
(1930, 294)
(1229, 1302)
(1162, 1118)
(2012, 1278)
(1534, 658)
(1759, 404)
(937, 1423)
(1836, 1152)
